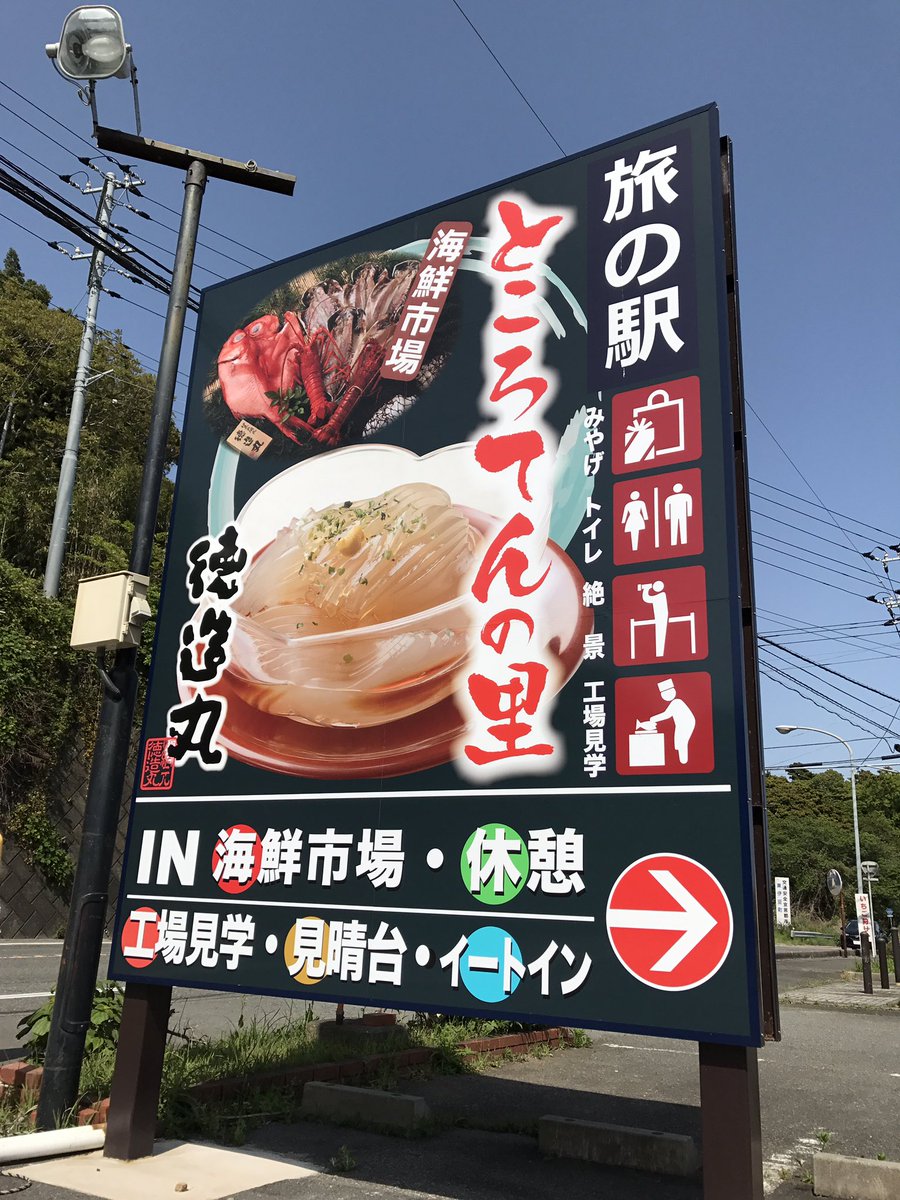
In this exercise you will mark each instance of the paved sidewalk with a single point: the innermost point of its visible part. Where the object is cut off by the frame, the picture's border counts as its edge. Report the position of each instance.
(846, 994)
(801, 951)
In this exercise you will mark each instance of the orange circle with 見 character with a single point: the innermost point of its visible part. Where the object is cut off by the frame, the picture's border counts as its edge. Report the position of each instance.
(306, 950)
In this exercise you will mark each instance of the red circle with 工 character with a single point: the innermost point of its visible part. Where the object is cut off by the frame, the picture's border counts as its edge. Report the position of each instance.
(237, 858)
(140, 933)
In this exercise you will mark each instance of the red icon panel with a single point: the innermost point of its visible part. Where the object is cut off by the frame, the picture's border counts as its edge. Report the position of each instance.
(669, 922)
(656, 427)
(659, 616)
(664, 725)
(658, 517)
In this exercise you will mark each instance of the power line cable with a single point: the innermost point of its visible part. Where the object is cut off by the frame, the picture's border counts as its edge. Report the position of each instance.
(821, 666)
(807, 515)
(48, 209)
(811, 533)
(830, 705)
(97, 154)
(857, 578)
(817, 504)
(825, 507)
(812, 579)
(131, 234)
(880, 713)
(509, 77)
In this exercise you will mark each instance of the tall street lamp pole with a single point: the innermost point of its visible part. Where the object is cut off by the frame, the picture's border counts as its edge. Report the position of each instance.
(80, 958)
(849, 749)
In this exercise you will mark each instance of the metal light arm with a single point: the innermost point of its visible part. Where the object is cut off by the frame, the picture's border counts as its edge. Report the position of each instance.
(849, 749)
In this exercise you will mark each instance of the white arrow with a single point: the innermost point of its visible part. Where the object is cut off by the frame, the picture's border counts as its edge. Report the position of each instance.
(692, 919)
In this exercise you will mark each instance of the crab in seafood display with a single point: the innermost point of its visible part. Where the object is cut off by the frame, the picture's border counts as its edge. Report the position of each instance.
(307, 372)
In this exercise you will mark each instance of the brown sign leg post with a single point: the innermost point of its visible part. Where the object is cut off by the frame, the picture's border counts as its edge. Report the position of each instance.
(134, 1099)
(730, 1122)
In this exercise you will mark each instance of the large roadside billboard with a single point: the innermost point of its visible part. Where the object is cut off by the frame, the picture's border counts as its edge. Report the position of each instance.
(447, 707)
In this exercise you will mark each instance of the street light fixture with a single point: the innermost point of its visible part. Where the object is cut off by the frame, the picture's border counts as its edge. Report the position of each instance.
(92, 46)
(849, 749)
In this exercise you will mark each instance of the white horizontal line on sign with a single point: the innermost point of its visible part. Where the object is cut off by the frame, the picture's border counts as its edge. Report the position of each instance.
(668, 790)
(236, 902)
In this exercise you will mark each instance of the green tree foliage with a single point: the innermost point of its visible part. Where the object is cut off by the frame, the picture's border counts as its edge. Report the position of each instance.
(38, 353)
(811, 829)
(49, 693)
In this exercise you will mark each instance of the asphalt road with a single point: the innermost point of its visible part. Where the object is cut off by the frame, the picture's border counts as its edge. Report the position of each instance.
(834, 1080)
(28, 970)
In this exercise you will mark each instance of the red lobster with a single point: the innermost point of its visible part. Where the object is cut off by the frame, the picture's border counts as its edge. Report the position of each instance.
(262, 360)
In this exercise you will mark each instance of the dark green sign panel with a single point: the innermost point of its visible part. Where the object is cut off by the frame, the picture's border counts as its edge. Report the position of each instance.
(447, 701)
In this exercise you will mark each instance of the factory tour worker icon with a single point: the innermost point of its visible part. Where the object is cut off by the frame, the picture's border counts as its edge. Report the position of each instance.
(679, 714)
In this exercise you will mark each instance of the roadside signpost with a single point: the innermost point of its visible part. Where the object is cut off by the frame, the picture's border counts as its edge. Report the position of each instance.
(782, 900)
(449, 704)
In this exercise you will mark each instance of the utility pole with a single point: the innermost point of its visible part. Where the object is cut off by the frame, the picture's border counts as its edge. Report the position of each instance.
(67, 470)
(146, 1009)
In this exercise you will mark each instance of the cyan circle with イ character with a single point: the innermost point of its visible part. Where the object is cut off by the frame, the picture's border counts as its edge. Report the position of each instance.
(486, 985)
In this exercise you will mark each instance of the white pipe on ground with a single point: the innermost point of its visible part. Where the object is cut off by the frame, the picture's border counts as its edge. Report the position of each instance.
(50, 1143)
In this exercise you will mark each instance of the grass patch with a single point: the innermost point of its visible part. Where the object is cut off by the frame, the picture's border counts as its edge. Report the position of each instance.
(261, 1045)
(15, 1115)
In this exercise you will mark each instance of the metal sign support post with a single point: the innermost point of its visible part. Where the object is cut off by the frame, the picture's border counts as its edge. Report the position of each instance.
(729, 1075)
(134, 1099)
(865, 953)
(730, 1122)
(90, 894)
(141, 1020)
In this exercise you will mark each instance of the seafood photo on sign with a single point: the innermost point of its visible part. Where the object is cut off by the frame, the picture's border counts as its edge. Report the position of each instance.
(305, 369)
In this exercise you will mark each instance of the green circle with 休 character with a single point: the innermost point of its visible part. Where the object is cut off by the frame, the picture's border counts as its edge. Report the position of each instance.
(494, 864)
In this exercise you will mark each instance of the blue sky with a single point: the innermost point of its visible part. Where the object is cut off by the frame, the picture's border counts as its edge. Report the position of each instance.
(383, 108)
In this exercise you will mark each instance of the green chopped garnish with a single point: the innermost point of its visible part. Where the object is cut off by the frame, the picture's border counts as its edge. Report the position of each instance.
(364, 582)
(348, 658)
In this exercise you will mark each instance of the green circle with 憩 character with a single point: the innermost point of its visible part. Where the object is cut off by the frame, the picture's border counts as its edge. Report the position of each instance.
(494, 864)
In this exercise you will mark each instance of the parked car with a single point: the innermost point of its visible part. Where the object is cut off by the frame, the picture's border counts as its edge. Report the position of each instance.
(851, 930)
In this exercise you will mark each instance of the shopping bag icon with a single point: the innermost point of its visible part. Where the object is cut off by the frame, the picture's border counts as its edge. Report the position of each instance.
(656, 428)
(646, 748)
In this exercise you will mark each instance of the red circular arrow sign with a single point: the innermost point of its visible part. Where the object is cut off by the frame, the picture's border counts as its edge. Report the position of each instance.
(669, 922)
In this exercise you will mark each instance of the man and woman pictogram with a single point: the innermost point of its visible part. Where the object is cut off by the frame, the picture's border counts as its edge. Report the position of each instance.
(677, 507)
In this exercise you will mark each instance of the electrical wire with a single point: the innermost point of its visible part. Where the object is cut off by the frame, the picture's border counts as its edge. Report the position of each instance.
(821, 666)
(822, 503)
(792, 684)
(96, 154)
(49, 209)
(818, 504)
(508, 76)
(811, 578)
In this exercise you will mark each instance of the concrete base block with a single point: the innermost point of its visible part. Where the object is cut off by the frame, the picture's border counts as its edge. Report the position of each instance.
(340, 1102)
(855, 1178)
(619, 1146)
(358, 1030)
